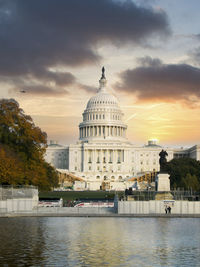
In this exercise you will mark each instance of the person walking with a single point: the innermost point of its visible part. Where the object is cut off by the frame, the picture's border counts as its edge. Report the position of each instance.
(169, 210)
(166, 209)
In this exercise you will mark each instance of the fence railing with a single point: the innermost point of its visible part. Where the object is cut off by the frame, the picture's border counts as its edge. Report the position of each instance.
(10, 192)
(140, 195)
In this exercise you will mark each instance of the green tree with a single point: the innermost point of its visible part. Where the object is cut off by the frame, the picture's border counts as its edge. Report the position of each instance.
(191, 182)
(22, 148)
(184, 173)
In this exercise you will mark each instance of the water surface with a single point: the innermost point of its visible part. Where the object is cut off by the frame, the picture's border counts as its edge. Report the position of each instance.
(99, 242)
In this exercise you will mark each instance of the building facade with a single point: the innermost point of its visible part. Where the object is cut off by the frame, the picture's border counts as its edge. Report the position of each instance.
(103, 155)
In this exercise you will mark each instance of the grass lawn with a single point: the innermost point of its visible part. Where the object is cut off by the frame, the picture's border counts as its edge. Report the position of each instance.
(73, 195)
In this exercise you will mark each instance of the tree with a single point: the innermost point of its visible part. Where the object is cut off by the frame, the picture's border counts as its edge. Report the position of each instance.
(184, 173)
(22, 148)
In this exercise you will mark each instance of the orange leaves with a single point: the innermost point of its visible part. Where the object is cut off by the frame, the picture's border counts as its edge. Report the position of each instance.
(22, 147)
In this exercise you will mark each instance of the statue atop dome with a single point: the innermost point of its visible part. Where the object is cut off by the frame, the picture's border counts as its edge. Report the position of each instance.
(103, 73)
(102, 81)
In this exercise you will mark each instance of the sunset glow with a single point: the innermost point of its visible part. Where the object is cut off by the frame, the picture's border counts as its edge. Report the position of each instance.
(152, 64)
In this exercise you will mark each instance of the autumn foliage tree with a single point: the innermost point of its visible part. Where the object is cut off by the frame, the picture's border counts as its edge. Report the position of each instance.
(22, 148)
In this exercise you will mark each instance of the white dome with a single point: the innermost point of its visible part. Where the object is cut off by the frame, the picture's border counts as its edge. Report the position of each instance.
(102, 118)
(102, 99)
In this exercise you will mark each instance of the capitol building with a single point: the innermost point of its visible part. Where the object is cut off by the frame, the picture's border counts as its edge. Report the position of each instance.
(103, 155)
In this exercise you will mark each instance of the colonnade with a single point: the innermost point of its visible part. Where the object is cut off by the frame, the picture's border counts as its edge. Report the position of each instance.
(104, 131)
(104, 156)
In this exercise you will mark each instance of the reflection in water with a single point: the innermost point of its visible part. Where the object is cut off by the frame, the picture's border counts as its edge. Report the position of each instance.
(99, 242)
(21, 241)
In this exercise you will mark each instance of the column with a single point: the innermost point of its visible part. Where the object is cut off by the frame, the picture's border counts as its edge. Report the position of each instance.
(101, 159)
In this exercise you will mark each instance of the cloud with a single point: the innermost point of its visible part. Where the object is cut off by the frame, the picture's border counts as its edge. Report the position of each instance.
(41, 90)
(49, 90)
(154, 81)
(195, 56)
(36, 36)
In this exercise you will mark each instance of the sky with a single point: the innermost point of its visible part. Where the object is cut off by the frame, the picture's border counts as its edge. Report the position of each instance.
(54, 50)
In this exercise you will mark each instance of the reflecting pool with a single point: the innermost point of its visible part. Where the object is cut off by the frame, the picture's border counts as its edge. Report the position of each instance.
(99, 241)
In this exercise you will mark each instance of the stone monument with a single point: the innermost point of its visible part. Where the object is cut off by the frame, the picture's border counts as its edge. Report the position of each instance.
(162, 180)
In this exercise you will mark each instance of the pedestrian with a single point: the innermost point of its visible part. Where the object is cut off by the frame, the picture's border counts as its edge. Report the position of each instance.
(169, 209)
(166, 209)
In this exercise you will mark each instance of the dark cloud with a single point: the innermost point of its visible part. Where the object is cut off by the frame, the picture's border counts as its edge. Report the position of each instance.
(60, 78)
(195, 56)
(40, 90)
(37, 35)
(197, 36)
(156, 81)
(87, 88)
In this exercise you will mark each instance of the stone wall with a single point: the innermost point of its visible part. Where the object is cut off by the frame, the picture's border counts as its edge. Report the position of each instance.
(158, 207)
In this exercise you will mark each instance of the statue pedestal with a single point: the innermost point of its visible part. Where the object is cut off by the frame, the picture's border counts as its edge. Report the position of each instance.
(163, 182)
(164, 196)
(163, 187)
